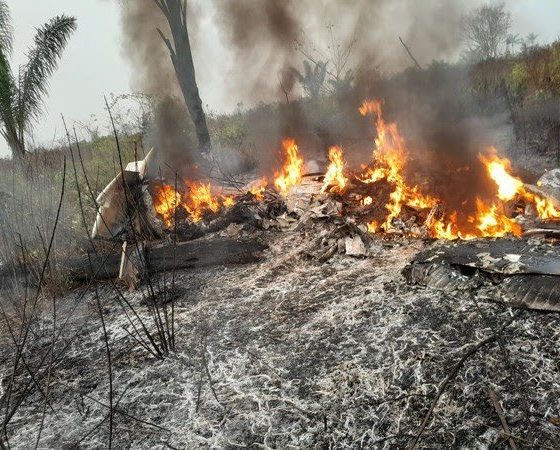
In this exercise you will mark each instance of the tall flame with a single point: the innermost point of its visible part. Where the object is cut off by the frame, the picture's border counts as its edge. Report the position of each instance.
(335, 181)
(390, 158)
(498, 170)
(166, 201)
(510, 187)
(292, 171)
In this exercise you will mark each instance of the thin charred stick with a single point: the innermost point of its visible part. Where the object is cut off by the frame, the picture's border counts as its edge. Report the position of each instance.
(96, 427)
(116, 410)
(454, 371)
(496, 404)
(46, 402)
(98, 302)
(418, 66)
(109, 365)
(26, 331)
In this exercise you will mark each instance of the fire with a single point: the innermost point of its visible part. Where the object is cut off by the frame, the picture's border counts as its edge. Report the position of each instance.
(335, 181)
(491, 222)
(166, 201)
(390, 158)
(373, 227)
(406, 201)
(366, 201)
(545, 208)
(510, 187)
(200, 200)
(498, 170)
(197, 201)
(292, 171)
(258, 189)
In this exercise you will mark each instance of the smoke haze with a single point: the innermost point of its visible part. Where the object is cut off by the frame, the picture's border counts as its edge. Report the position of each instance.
(266, 42)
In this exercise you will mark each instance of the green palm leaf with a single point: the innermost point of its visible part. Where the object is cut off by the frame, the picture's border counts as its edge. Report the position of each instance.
(6, 29)
(49, 43)
(8, 94)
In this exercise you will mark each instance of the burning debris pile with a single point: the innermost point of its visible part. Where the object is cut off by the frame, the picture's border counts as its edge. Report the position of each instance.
(378, 198)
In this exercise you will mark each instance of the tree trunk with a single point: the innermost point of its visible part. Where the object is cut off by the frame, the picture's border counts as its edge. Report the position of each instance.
(179, 48)
(161, 258)
(17, 145)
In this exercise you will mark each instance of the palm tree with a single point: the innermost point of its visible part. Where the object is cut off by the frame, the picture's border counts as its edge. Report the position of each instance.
(21, 95)
(513, 40)
(313, 78)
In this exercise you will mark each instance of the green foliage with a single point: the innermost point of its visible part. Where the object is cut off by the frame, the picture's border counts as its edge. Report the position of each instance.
(228, 131)
(21, 97)
(518, 78)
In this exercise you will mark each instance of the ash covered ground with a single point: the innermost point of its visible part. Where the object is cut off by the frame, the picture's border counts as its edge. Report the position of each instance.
(293, 352)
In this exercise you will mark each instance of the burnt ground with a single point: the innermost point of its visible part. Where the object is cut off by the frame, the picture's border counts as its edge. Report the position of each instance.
(291, 352)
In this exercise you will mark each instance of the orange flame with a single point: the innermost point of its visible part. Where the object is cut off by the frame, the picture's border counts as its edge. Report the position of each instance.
(510, 187)
(292, 171)
(258, 189)
(498, 170)
(198, 200)
(493, 223)
(390, 158)
(166, 201)
(335, 181)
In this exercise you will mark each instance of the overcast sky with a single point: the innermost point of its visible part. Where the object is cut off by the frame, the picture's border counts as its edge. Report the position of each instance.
(93, 64)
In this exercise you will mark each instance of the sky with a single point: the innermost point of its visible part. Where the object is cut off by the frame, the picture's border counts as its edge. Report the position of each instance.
(94, 65)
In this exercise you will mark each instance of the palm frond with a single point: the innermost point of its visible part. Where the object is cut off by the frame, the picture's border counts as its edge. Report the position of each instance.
(50, 41)
(6, 29)
(8, 93)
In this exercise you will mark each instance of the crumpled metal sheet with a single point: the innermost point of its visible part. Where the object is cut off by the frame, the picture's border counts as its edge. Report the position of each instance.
(522, 273)
(503, 256)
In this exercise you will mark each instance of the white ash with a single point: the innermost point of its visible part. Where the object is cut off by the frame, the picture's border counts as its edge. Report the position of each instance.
(305, 354)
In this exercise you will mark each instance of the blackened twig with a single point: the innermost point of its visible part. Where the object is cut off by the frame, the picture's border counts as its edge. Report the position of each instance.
(454, 371)
(418, 66)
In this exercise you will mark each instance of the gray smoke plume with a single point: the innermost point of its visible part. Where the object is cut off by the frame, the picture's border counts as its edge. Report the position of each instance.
(264, 41)
(153, 74)
(264, 35)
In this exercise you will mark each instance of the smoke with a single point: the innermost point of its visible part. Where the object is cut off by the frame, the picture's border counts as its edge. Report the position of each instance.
(152, 71)
(252, 51)
(267, 37)
(154, 75)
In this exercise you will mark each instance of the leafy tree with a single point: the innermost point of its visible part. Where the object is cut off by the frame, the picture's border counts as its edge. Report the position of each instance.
(21, 95)
(530, 41)
(486, 30)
